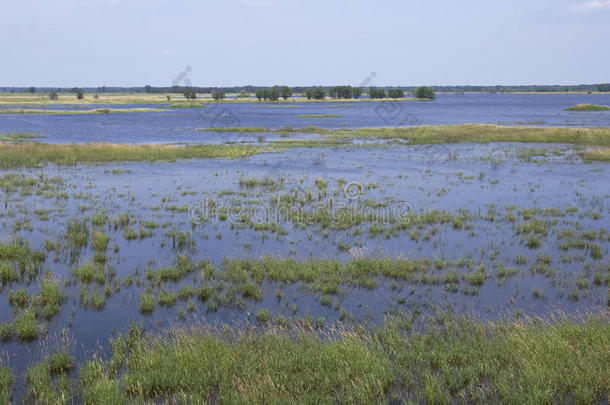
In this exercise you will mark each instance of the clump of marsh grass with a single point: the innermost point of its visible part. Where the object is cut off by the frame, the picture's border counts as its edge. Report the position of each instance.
(47, 380)
(588, 107)
(596, 154)
(6, 385)
(25, 326)
(16, 258)
(18, 137)
(147, 302)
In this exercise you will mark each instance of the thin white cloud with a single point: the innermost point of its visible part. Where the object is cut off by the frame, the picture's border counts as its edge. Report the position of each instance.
(592, 5)
(112, 3)
(168, 52)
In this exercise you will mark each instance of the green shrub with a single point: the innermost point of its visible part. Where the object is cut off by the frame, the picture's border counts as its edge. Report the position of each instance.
(425, 92)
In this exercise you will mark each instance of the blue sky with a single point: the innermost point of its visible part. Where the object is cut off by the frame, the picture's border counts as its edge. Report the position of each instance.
(299, 42)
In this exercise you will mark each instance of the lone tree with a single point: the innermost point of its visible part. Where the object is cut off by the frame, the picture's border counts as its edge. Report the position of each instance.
(32, 89)
(285, 92)
(80, 95)
(274, 93)
(53, 95)
(396, 93)
(425, 92)
(218, 94)
(260, 94)
(376, 93)
(190, 94)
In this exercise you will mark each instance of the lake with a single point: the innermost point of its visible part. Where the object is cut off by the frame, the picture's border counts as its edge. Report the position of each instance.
(180, 125)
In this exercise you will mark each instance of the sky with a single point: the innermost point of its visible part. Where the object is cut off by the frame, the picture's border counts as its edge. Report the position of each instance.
(90, 43)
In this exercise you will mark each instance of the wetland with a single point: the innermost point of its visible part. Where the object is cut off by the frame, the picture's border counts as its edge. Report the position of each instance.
(388, 253)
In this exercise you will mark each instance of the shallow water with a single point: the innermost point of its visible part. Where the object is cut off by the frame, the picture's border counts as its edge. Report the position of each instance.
(471, 179)
(180, 125)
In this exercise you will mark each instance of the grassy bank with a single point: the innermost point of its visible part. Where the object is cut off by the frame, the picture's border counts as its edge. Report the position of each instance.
(477, 133)
(36, 154)
(33, 154)
(159, 98)
(533, 362)
(79, 112)
(187, 105)
(588, 107)
(103, 98)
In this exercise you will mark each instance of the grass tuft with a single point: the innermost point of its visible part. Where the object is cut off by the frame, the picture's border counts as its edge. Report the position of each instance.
(461, 360)
(588, 107)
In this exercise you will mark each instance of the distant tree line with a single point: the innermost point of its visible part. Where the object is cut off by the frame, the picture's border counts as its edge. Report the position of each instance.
(330, 91)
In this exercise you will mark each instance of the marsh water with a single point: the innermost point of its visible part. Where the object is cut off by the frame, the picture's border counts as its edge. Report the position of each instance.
(180, 125)
(532, 221)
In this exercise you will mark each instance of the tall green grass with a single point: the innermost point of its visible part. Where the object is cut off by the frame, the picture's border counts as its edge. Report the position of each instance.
(6, 385)
(36, 154)
(531, 362)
